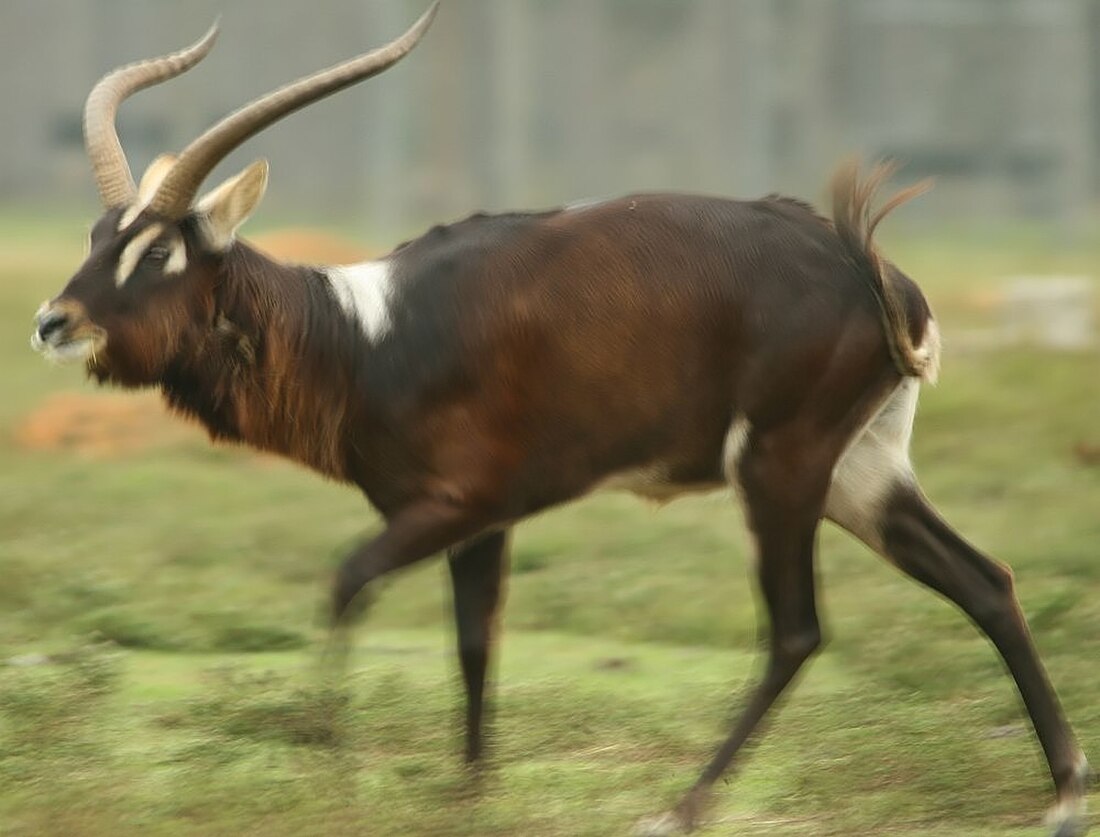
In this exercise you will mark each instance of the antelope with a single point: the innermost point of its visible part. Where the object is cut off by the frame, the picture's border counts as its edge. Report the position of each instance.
(505, 364)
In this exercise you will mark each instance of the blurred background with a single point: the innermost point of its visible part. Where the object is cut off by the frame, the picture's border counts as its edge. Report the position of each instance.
(159, 595)
(517, 103)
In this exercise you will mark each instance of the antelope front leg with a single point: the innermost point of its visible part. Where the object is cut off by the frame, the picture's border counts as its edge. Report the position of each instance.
(412, 534)
(477, 577)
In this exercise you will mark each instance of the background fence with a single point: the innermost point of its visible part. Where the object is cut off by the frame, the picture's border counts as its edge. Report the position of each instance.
(535, 102)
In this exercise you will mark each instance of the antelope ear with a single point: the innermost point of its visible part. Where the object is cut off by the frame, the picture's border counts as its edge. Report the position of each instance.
(150, 181)
(222, 210)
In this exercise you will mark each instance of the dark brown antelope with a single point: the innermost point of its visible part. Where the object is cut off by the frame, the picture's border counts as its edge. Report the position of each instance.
(505, 364)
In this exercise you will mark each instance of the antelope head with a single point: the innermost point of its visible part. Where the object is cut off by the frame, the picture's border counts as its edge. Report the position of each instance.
(146, 288)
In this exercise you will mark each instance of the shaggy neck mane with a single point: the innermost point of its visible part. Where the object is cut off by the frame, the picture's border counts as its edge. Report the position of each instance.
(275, 368)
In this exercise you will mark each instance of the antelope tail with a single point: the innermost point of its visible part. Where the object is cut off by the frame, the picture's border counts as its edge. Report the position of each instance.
(855, 223)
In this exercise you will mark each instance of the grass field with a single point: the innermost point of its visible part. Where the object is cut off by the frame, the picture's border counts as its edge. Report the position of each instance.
(176, 589)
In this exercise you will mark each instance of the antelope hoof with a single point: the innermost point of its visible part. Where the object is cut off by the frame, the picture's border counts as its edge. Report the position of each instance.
(683, 819)
(1067, 818)
(350, 599)
(664, 825)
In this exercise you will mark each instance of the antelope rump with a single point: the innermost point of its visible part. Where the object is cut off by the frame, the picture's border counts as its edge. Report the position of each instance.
(504, 364)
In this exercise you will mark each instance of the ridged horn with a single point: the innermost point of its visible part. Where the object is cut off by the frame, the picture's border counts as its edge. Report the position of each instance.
(109, 166)
(176, 193)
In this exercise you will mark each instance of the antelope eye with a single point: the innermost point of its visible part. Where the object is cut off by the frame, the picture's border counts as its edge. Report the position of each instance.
(156, 254)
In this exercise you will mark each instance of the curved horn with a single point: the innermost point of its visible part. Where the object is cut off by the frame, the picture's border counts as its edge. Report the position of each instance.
(112, 172)
(173, 198)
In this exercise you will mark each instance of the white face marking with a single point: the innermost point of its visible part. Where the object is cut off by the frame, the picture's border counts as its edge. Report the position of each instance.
(875, 463)
(131, 213)
(150, 182)
(132, 253)
(364, 291)
(177, 256)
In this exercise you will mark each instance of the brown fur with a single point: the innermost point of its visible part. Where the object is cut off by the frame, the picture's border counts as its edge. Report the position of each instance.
(665, 342)
(532, 357)
(263, 374)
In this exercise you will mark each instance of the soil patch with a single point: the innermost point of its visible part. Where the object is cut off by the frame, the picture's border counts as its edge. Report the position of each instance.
(310, 246)
(102, 424)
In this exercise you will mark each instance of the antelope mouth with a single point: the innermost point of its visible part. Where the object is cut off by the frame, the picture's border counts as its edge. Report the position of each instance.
(69, 351)
(63, 334)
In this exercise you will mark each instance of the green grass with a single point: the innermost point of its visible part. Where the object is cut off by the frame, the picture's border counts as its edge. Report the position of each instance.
(630, 632)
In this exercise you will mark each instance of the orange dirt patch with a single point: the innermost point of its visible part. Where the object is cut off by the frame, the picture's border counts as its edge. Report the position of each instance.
(102, 425)
(310, 246)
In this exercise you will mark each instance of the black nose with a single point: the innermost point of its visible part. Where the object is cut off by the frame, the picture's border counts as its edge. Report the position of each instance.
(52, 321)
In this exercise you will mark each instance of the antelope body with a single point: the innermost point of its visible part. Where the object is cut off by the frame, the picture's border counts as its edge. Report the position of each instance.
(504, 364)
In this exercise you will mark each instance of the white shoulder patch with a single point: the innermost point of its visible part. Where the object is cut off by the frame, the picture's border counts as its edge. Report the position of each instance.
(363, 291)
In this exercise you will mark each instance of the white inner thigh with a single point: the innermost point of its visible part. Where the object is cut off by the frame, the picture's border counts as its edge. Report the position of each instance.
(873, 466)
